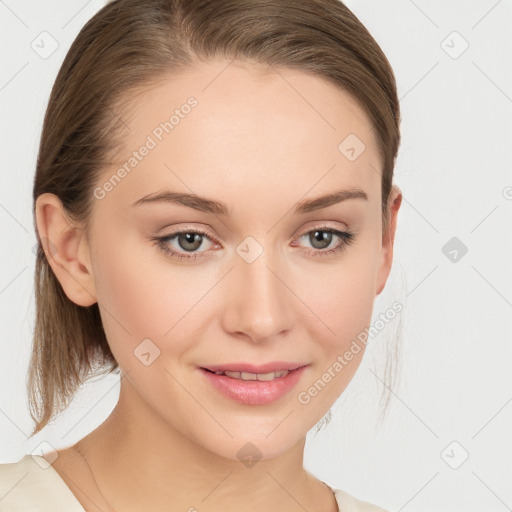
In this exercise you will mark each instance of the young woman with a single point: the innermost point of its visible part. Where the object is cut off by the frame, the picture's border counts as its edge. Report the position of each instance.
(215, 211)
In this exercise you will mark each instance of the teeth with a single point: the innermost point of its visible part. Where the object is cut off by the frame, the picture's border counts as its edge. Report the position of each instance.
(272, 375)
(255, 376)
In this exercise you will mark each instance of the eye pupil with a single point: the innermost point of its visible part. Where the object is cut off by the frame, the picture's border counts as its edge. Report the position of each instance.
(190, 241)
(324, 237)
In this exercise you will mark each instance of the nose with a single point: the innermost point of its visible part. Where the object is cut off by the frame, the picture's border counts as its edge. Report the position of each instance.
(258, 300)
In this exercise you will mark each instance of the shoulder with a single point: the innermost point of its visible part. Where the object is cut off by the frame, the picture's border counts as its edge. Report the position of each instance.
(32, 484)
(349, 503)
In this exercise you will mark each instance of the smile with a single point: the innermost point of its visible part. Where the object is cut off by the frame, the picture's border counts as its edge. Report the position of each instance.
(253, 388)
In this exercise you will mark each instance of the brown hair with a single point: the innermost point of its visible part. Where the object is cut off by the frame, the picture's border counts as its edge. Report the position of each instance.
(128, 45)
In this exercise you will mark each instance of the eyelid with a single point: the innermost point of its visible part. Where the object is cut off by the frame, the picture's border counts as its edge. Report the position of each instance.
(186, 226)
(319, 225)
(322, 224)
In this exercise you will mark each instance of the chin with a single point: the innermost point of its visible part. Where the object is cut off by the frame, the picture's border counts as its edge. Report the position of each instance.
(268, 440)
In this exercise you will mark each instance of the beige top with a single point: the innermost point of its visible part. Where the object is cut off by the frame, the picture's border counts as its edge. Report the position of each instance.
(32, 485)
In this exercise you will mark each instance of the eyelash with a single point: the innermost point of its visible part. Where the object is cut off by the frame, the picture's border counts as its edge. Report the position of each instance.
(346, 239)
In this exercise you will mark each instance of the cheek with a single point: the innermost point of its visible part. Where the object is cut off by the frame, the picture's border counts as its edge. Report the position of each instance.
(347, 306)
(135, 300)
(341, 295)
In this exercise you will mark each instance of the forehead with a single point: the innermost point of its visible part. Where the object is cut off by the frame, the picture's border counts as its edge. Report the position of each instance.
(237, 126)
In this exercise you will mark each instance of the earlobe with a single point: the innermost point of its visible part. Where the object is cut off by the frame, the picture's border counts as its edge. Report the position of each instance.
(66, 250)
(388, 238)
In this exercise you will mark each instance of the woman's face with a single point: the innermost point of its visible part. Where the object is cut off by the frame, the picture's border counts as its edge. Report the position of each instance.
(257, 286)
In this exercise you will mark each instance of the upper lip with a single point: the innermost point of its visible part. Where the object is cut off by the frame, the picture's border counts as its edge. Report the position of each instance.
(273, 366)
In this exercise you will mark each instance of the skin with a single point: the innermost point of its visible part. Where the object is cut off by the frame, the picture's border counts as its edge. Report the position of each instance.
(255, 144)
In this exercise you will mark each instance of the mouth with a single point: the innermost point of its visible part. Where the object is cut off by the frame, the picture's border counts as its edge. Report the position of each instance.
(254, 387)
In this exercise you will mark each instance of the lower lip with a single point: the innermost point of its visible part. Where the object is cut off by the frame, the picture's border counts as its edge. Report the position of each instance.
(254, 392)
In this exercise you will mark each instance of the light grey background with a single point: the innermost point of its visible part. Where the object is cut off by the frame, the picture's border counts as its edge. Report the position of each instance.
(453, 399)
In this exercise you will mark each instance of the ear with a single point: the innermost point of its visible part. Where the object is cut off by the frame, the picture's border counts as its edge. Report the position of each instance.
(66, 249)
(388, 239)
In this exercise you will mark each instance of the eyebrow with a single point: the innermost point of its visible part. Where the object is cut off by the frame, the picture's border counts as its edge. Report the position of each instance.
(206, 205)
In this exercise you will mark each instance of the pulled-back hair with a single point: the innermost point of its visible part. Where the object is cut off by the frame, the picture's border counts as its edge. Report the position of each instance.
(127, 46)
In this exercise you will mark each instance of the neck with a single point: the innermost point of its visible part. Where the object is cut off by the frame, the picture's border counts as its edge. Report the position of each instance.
(140, 462)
